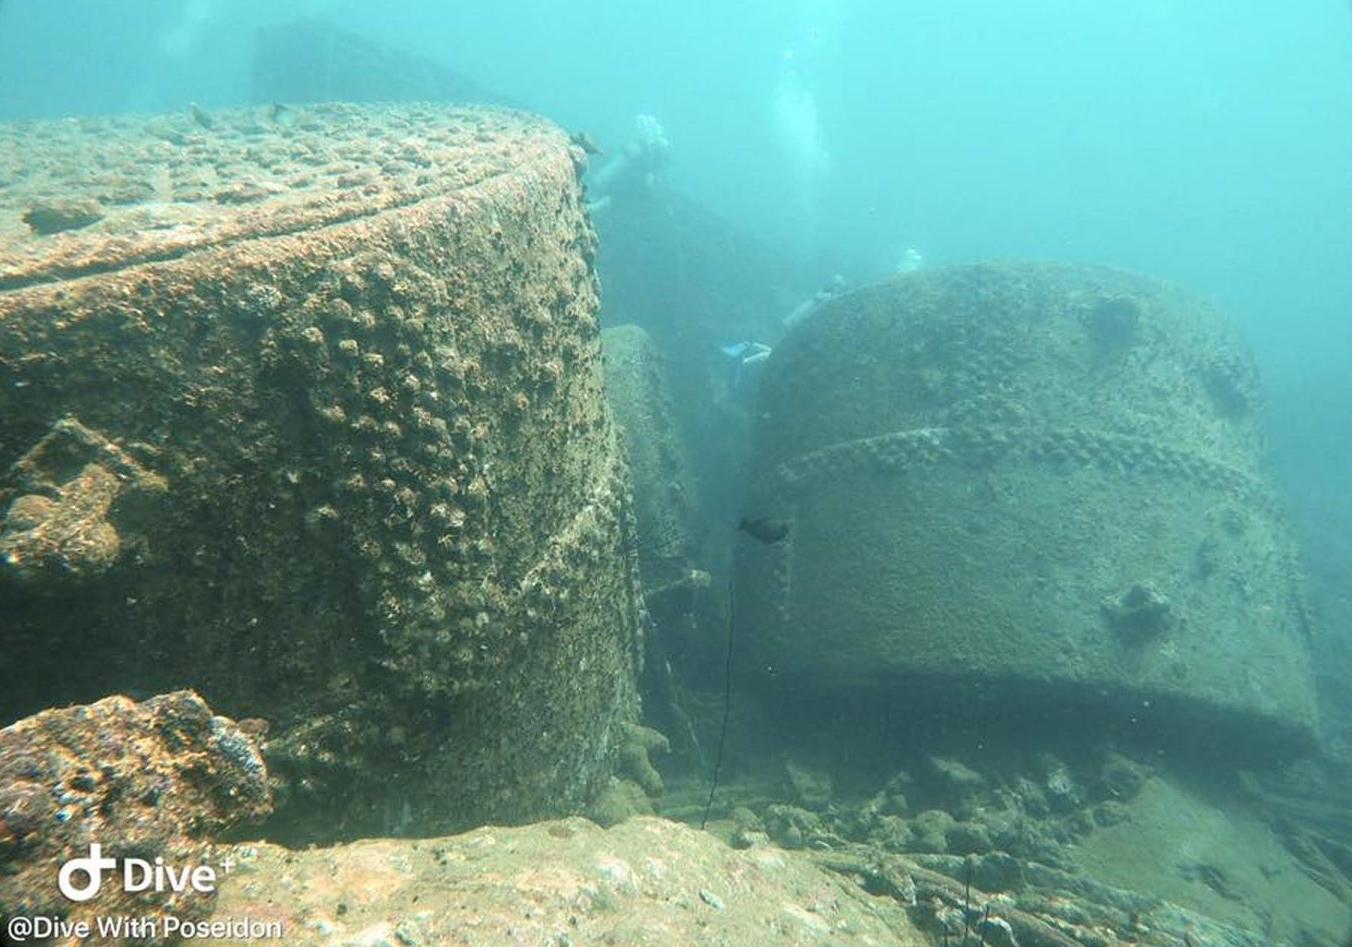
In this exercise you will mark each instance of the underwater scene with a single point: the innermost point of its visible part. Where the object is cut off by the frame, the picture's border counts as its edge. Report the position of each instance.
(775, 472)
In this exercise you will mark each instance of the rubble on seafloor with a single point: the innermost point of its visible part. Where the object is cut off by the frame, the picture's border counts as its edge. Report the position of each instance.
(1001, 863)
(653, 881)
(1039, 847)
(153, 781)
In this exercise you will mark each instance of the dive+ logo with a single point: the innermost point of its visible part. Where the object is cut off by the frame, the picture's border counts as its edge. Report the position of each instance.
(136, 875)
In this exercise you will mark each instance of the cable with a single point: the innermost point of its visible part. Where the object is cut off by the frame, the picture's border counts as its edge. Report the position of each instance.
(727, 707)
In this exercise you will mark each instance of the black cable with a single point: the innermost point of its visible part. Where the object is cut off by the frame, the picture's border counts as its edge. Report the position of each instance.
(727, 708)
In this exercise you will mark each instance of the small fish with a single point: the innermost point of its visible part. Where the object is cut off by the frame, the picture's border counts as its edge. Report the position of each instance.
(766, 530)
(200, 116)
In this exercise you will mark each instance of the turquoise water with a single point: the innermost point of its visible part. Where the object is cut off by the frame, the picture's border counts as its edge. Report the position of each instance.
(1191, 141)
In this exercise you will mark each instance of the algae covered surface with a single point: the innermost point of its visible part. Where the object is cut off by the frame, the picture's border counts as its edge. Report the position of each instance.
(311, 419)
(159, 779)
(647, 881)
(1097, 431)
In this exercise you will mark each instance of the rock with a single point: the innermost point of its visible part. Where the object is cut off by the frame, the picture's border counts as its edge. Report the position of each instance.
(788, 835)
(149, 780)
(749, 838)
(637, 743)
(1032, 839)
(931, 830)
(870, 815)
(377, 935)
(997, 871)
(966, 838)
(647, 881)
(1005, 828)
(1062, 792)
(408, 934)
(793, 827)
(48, 217)
(954, 777)
(1081, 822)
(651, 740)
(620, 800)
(744, 818)
(1121, 778)
(996, 932)
(892, 833)
(749, 830)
